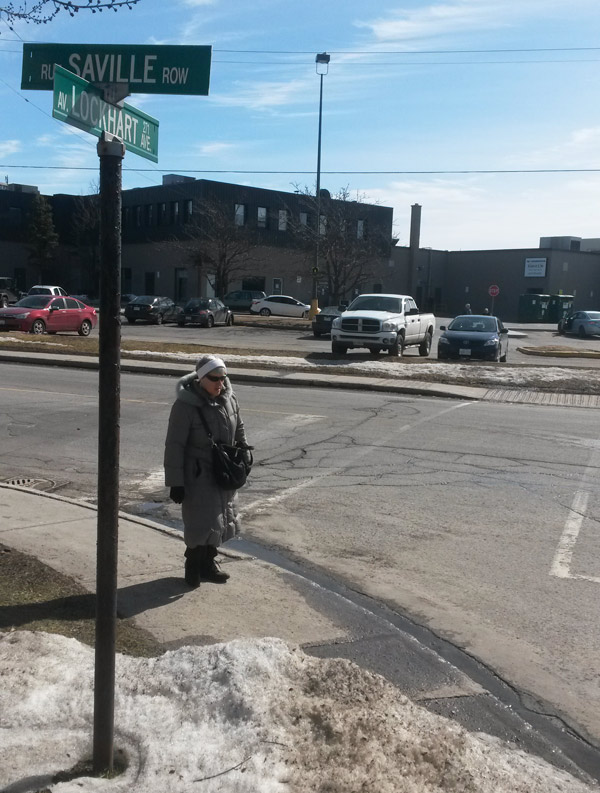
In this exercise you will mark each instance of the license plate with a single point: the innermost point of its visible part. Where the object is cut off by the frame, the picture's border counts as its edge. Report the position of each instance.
(136, 308)
(464, 352)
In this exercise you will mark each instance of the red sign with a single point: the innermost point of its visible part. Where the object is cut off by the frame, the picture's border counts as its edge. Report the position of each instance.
(494, 290)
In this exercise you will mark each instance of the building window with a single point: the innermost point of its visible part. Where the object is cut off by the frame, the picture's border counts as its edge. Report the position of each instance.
(162, 214)
(125, 216)
(261, 217)
(277, 286)
(188, 210)
(174, 212)
(283, 220)
(240, 214)
(360, 230)
(304, 218)
(149, 215)
(138, 217)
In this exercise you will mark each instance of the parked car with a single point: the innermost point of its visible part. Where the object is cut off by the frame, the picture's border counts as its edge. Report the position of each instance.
(205, 311)
(127, 298)
(47, 314)
(583, 323)
(8, 292)
(280, 305)
(241, 299)
(322, 321)
(151, 308)
(471, 336)
(42, 289)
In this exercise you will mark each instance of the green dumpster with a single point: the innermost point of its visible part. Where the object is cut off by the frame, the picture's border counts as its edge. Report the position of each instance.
(559, 306)
(533, 308)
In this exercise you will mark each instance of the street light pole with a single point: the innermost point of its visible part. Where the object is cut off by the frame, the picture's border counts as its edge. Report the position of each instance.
(322, 67)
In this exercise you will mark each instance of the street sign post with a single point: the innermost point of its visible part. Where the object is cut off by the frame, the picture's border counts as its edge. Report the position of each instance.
(145, 69)
(80, 104)
(493, 292)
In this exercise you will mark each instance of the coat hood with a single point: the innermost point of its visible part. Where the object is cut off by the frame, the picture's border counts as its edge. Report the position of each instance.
(186, 391)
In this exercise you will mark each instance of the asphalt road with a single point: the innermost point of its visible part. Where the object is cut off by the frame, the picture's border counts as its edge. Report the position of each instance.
(477, 519)
(286, 341)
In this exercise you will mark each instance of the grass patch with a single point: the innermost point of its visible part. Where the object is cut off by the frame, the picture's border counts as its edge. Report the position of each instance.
(35, 597)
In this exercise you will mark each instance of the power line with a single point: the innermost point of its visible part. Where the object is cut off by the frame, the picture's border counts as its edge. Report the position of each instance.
(446, 172)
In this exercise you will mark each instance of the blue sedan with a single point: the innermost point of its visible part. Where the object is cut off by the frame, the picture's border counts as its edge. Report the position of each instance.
(471, 336)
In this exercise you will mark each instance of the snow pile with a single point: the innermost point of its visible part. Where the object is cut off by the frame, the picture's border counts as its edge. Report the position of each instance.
(404, 369)
(249, 716)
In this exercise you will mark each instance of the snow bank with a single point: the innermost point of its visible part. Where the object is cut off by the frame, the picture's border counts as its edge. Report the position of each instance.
(249, 716)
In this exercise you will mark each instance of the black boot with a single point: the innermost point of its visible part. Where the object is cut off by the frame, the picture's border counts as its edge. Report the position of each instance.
(193, 563)
(209, 569)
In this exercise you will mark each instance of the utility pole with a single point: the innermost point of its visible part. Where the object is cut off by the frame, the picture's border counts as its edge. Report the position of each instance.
(111, 152)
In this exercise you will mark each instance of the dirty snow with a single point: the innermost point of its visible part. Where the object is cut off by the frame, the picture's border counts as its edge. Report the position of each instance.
(459, 374)
(249, 716)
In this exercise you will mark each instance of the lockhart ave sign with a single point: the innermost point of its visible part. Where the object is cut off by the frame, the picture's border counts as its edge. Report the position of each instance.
(145, 69)
(80, 104)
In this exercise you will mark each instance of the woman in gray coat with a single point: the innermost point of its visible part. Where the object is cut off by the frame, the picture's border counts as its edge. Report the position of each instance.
(209, 512)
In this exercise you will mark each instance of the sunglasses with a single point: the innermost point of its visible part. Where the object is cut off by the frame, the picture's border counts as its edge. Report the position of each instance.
(216, 378)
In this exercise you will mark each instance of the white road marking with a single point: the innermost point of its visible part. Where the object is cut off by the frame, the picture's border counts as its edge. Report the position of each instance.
(563, 556)
(261, 504)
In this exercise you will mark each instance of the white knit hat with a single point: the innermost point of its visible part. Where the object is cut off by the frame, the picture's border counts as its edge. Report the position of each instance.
(207, 363)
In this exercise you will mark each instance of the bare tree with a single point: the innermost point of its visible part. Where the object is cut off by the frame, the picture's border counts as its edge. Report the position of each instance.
(41, 234)
(86, 236)
(44, 11)
(349, 246)
(220, 249)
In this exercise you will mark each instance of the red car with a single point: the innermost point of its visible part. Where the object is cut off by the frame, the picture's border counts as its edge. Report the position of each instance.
(47, 314)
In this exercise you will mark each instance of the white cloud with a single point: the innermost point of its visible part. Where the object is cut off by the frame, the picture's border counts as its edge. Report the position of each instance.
(263, 95)
(210, 149)
(8, 147)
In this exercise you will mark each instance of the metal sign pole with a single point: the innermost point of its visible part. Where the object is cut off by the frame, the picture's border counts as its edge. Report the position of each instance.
(111, 152)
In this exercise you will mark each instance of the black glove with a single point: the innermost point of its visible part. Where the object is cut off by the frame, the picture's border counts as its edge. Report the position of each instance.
(177, 494)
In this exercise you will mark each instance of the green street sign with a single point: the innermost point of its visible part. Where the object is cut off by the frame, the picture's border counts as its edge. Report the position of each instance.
(80, 104)
(145, 69)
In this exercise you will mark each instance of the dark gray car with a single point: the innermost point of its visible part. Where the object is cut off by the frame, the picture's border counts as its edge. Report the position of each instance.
(241, 299)
(474, 336)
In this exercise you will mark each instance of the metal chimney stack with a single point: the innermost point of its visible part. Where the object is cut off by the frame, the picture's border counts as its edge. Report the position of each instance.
(415, 226)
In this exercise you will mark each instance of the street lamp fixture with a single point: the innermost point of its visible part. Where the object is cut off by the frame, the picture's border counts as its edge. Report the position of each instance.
(321, 67)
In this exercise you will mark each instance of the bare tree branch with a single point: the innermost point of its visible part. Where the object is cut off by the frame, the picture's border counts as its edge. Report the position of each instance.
(44, 11)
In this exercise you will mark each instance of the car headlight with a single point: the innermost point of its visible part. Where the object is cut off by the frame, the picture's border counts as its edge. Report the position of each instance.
(21, 316)
(491, 343)
(337, 323)
(389, 325)
(443, 340)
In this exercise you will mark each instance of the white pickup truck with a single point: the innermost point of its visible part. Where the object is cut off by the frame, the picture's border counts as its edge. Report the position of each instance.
(382, 322)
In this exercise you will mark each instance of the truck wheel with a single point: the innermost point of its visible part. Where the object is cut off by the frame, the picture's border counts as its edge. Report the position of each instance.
(425, 345)
(338, 349)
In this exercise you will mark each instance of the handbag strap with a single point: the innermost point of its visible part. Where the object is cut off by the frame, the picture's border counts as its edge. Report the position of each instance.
(205, 422)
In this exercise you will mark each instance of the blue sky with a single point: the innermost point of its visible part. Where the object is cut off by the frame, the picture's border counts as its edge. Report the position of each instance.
(455, 85)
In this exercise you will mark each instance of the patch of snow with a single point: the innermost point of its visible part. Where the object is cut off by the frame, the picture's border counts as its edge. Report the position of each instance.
(249, 716)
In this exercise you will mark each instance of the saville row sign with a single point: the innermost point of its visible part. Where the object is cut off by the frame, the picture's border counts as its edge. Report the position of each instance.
(82, 105)
(145, 69)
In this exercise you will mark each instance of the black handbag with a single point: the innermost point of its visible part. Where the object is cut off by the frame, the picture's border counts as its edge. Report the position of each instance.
(231, 464)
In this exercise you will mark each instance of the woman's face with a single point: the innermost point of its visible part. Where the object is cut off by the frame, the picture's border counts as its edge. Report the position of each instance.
(213, 382)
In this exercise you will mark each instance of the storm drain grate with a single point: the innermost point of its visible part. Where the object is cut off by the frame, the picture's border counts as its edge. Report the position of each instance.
(33, 484)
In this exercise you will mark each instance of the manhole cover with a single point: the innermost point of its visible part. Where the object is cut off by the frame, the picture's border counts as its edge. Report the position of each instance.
(34, 484)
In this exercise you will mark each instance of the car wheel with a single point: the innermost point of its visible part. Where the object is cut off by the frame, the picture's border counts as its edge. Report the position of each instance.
(581, 332)
(338, 349)
(561, 329)
(229, 320)
(85, 328)
(210, 321)
(265, 312)
(131, 320)
(304, 314)
(38, 327)
(159, 319)
(316, 333)
(425, 345)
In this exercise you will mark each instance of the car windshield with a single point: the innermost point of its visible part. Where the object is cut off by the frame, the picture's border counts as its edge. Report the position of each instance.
(195, 304)
(376, 303)
(144, 299)
(35, 301)
(473, 324)
(329, 310)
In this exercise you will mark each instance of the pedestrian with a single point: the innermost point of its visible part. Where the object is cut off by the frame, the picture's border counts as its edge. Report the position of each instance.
(486, 311)
(210, 516)
(468, 308)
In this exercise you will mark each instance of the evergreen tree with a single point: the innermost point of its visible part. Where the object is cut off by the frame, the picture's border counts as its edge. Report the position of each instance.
(42, 236)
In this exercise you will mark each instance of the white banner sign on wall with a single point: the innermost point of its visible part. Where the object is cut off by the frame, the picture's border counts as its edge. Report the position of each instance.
(535, 268)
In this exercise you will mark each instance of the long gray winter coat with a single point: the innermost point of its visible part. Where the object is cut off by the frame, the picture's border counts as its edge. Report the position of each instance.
(209, 512)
